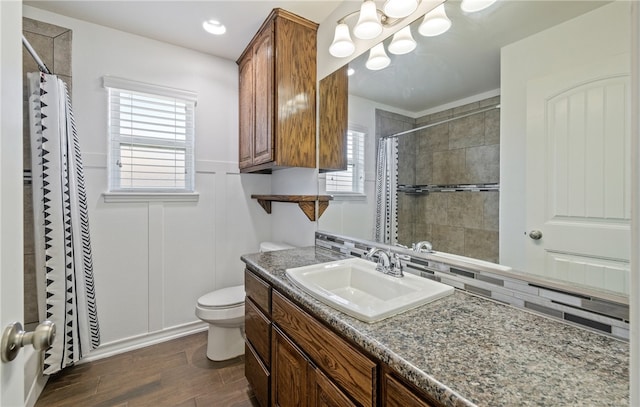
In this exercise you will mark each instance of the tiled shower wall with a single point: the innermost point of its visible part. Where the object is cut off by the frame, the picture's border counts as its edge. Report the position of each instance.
(53, 44)
(461, 151)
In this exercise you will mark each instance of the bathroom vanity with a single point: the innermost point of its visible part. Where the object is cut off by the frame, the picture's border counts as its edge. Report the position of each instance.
(461, 350)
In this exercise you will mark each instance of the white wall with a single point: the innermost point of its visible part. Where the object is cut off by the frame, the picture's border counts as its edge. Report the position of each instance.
(598, 34)
(154, 259)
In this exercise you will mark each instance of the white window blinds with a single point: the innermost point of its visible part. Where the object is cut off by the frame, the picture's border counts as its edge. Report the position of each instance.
(350, 181)
(151, 136)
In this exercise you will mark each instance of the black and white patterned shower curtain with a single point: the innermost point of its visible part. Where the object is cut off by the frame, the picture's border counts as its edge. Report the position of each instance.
(387, 191)
(64, 264)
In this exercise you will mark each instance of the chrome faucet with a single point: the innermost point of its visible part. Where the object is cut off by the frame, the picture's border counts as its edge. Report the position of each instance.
(388, 263)
(422, 247)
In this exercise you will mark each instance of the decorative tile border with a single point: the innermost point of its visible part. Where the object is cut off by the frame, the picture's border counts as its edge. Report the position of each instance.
(590, 312)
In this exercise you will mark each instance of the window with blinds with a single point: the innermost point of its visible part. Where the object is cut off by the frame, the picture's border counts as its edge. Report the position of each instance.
(350, 181)
(151, 137)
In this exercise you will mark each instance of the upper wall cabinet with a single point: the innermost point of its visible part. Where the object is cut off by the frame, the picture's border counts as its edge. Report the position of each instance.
(278, 95)
(334, 113)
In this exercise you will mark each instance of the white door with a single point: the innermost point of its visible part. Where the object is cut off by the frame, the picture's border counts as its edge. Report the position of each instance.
(11, 290)
(578, 174)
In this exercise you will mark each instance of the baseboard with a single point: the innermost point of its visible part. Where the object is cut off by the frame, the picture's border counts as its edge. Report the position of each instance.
(141, 341)
(34, 379)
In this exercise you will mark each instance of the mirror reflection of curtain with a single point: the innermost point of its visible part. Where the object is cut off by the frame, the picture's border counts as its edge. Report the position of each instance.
(386, 191)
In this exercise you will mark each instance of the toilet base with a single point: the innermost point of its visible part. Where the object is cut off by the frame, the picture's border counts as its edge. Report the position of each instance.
(224, 343)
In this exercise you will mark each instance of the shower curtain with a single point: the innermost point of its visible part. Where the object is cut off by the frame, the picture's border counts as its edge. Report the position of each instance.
(64, 262)
(387, 191)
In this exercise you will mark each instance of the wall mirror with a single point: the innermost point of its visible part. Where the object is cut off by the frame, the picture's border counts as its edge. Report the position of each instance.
(522, 118)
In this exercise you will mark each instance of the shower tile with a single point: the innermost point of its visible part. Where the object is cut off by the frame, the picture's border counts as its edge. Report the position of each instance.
(27, 194)
(490, 101)
(43, 46)
(492, 127)
(30, 290)
(433, 208)
(466, 108)
(467, 131)
(481, 244)
(448, 239)
(424, 168)
(449, 167)
(434, 138)
(465, 209)
(38, 27)
(491, 211)
(482, 164)
(407, 160)
(62, 54)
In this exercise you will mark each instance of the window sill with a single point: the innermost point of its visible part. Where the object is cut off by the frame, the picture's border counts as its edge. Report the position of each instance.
(347, 197)
(115, 197)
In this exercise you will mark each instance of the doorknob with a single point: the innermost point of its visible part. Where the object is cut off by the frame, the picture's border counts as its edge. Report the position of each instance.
(535, 234)
(15, 338)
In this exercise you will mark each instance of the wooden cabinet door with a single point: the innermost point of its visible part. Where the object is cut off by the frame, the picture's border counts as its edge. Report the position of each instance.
(263, 65)
(247, 122)
(323, 393)
(397, 394)
(334, 121)
(289, 373)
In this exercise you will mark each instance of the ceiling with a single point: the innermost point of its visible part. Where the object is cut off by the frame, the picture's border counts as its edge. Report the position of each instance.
(180, 22)
(464, 61)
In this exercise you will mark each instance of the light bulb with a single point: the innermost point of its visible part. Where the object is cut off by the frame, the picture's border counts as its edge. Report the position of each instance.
(435, 22)
(342, 45)
(399, 8)
(378, 59)
(214, 27)
(368, 25)
(402, 42)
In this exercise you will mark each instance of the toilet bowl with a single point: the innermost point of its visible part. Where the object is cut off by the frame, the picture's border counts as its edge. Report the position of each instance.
(223, 310)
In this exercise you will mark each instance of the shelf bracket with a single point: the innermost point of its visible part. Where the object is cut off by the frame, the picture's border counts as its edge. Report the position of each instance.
(307, 203)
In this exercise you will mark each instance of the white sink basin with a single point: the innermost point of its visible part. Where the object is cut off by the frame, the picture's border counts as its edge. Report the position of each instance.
(354, 287)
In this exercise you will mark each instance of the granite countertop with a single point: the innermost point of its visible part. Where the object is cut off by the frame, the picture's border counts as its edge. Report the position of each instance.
(465, 350)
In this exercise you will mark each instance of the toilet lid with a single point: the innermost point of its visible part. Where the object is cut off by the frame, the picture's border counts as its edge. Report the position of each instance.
(223, 298)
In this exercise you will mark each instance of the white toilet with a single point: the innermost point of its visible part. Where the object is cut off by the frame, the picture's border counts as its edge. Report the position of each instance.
(223, 310)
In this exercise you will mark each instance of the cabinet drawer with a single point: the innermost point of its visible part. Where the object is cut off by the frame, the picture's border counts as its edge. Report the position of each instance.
(258, 331)
(258, 290)
(257, 375)
(344, 364)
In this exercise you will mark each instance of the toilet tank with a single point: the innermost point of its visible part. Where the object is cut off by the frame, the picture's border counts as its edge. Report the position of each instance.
(272, 246)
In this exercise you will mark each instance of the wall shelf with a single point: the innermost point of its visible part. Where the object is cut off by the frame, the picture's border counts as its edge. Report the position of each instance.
(306, 202)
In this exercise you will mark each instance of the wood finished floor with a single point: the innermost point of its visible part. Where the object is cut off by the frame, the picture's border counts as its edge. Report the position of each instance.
(173, 373)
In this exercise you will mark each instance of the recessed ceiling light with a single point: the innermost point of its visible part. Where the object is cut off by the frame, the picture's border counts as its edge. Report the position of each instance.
(214, 27)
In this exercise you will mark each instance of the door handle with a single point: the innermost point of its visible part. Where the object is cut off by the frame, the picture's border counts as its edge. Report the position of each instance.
(15, 338)
(535, 234)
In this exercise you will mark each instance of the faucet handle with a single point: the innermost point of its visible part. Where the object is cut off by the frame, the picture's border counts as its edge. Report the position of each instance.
(396, 264)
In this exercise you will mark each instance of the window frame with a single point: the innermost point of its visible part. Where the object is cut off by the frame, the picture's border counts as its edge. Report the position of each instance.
(358, 161)
(117, 193)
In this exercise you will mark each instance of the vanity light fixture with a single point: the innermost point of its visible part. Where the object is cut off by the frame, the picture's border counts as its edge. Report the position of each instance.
(402, 42)
(342, 45)
(369, 25)
(214, 27)
(435, 22)
(378, 59)
(400, 8)
(471, 6)
(371, 22)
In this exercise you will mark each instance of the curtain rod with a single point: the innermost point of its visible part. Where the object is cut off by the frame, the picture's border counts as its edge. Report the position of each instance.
(34, 54)
(426, 126)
